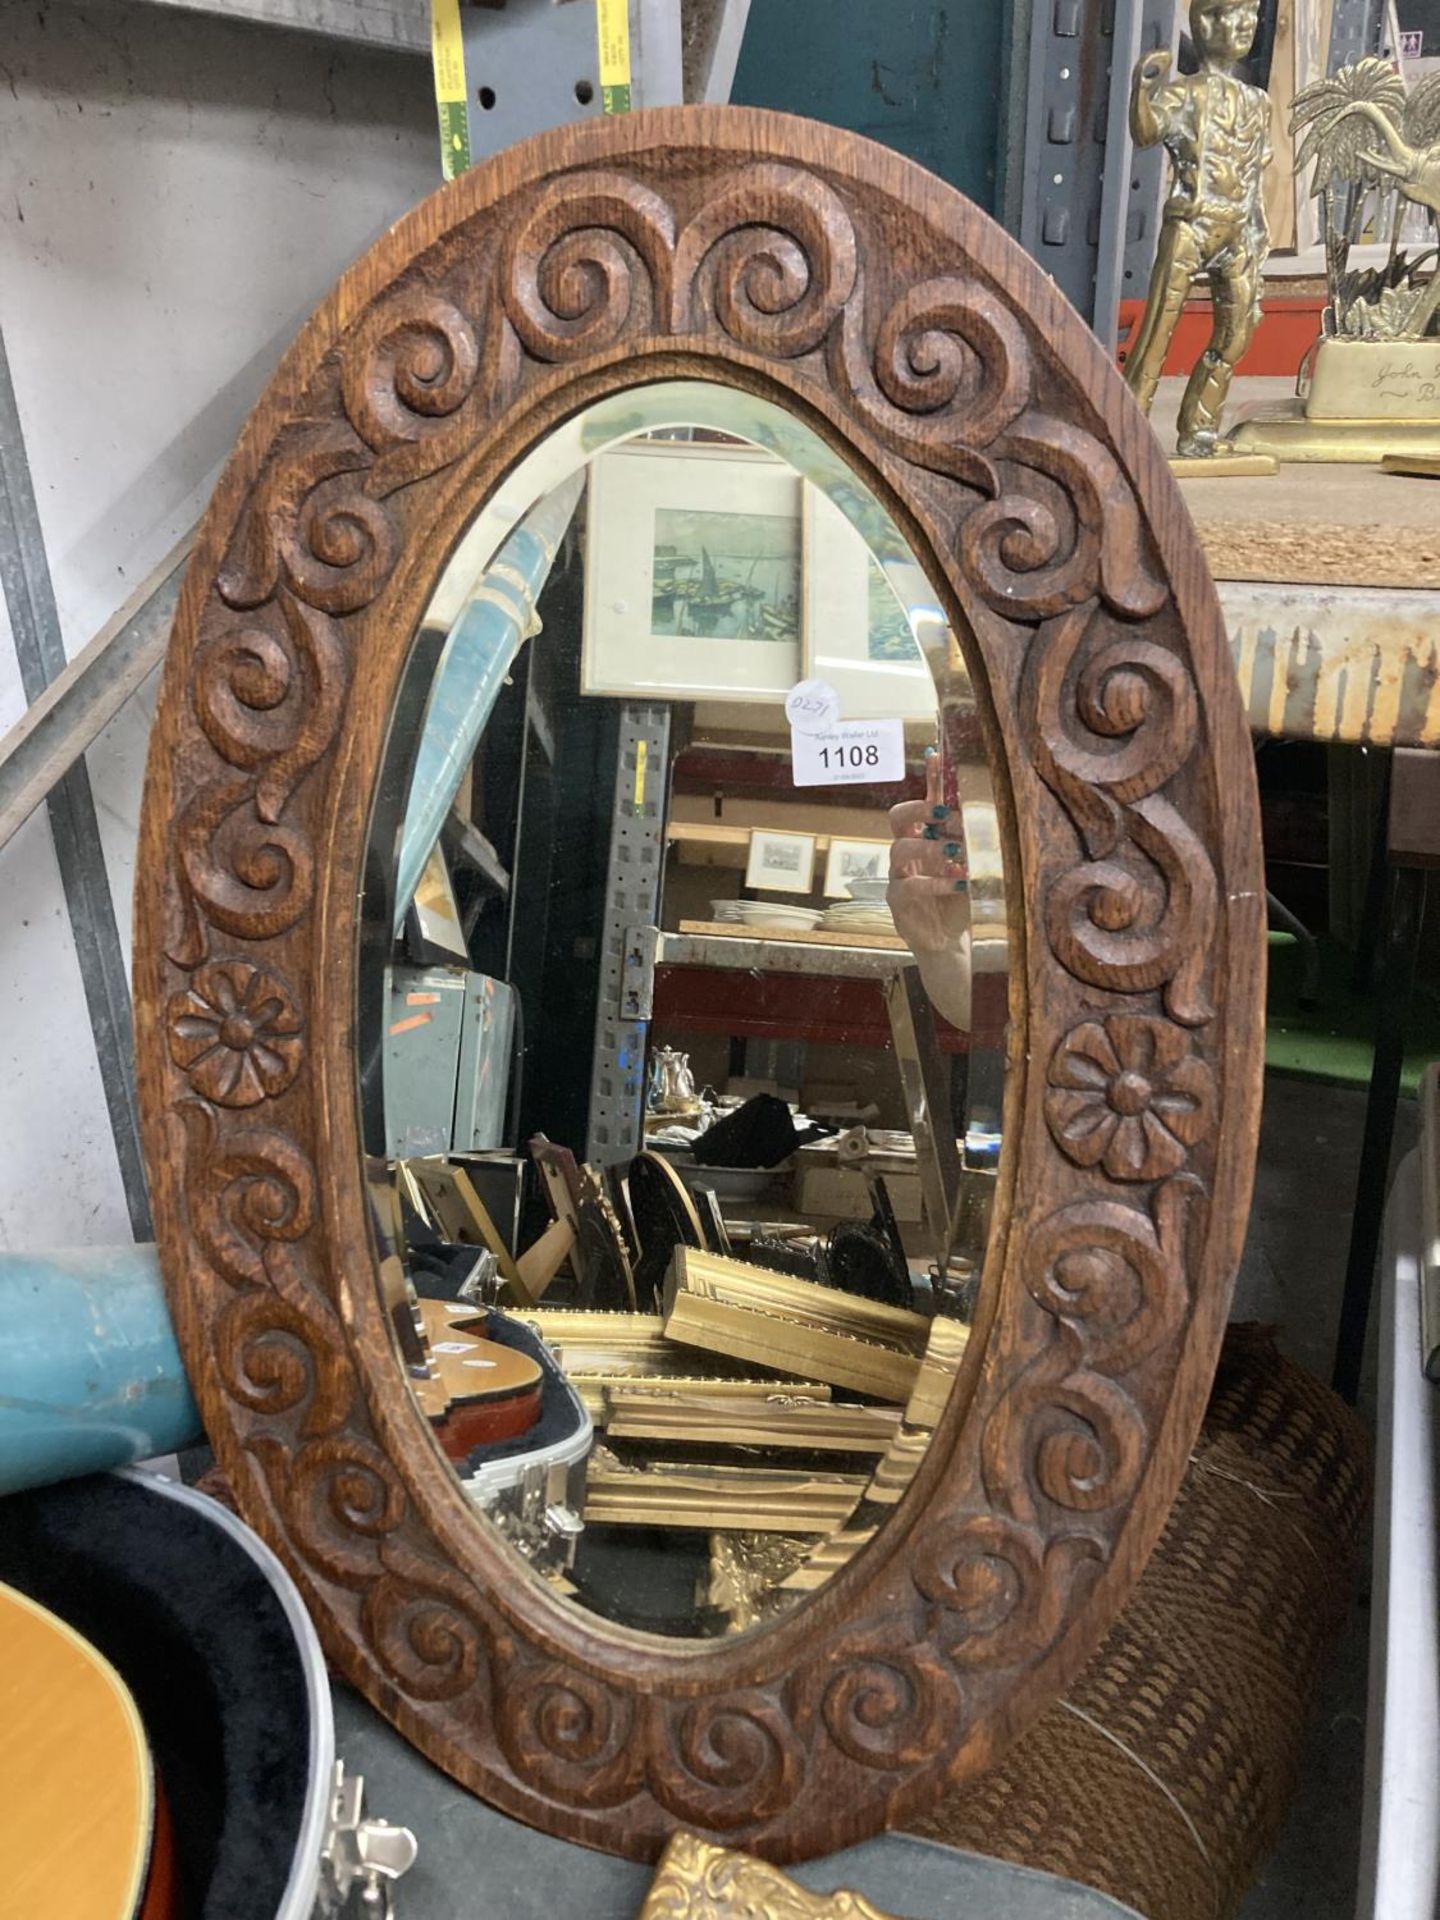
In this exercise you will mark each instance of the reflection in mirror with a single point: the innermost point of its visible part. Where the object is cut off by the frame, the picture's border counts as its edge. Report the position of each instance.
(681, 1056)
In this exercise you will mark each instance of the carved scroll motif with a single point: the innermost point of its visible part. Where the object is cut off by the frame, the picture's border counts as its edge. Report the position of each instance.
(410, 380)
(340, 1496)
(1065, 526)
(280, 1355)
(771, 258)
(318, 520)
(571, 1732)
(1144, 918)
(725, 1763)
(1114, 1276)
(948, 372)
(1068, 1438)
(252, 1190)
(315, 540)
(305, 456)
(592, 259)
(268, 698)
(1110, 717)
(1003, 1589)
(1065, 1435)
(422, 1623)
(892, 1705)
(948, 381)
(247, 876)
(277, 1341)
(279, 1348)
(1113, 718)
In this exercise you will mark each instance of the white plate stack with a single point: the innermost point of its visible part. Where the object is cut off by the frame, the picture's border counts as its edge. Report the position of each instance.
(858, 916)
(773, 916)
(864, 912)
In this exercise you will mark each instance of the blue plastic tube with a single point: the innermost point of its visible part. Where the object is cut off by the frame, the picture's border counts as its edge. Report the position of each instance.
(90, 1372)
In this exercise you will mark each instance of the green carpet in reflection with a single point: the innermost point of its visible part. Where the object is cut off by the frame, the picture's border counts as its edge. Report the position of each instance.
(1332, 1042)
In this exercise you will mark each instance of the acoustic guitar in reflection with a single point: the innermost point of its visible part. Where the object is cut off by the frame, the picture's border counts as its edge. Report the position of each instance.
(478, 1391)
(85, 1832)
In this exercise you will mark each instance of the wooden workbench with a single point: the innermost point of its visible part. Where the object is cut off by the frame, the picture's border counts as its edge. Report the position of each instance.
(1330, 581)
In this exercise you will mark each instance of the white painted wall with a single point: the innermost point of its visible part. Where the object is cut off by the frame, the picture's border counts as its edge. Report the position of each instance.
(176, 193)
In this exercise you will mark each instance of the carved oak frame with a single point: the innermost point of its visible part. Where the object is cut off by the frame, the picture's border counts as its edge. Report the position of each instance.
(835, 278)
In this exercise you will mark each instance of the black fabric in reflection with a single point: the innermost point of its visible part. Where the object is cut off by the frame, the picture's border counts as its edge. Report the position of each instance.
(761, 1133)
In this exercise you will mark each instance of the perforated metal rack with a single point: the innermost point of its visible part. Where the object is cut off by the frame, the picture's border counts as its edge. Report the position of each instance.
(628, 934)
(1088, 203)
(1355, 30)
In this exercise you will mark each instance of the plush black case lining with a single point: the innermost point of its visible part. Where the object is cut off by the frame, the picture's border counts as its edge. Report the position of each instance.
(201, 1640)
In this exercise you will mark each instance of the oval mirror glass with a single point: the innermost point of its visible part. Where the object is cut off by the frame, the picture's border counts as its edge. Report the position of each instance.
(683, 994)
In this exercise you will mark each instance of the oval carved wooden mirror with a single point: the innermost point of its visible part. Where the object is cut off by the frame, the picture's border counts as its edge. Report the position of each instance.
(836, 402)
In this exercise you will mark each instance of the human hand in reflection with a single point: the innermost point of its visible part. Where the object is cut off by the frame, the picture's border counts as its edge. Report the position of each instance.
(928, 895)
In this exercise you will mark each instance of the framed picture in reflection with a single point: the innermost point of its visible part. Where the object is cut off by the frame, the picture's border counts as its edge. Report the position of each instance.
(781, 862)
(858, 635)
(694, 573)
(850, 860)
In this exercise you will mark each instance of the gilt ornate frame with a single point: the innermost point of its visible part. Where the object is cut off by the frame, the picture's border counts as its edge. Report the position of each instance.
(832, 276)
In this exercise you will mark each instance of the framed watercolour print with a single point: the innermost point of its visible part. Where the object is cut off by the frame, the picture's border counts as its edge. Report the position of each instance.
(854, 860)
(783, 862)
(858, 635)
(694, 574)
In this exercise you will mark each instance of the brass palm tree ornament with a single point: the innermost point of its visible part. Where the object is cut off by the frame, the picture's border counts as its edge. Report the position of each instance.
(1372, 150)
(1363, 133)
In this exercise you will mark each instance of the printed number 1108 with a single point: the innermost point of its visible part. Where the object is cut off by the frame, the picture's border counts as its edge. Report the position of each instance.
(854, 756)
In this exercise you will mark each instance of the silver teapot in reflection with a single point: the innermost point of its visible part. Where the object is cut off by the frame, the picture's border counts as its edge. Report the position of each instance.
(672, 1084)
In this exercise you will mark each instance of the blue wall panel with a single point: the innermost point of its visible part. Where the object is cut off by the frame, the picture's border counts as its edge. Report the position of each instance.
(922, 76)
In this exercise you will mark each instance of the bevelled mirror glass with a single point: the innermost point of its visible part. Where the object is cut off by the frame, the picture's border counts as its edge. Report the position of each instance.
(682, 1012)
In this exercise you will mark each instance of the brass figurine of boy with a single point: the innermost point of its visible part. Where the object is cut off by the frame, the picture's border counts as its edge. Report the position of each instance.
(1216, 130)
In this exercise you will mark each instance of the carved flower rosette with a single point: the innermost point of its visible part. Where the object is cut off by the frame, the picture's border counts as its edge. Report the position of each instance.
(819, 272)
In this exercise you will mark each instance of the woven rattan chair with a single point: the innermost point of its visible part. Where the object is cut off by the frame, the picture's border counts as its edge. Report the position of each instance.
(1163, 1776)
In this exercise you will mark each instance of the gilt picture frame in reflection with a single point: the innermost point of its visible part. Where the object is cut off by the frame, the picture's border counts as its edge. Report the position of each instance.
(437, 916)
(694, 573)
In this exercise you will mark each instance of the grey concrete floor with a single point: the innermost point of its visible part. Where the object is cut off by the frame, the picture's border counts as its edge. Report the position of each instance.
(474, 1862)
(1292, 1274)
(1293, 1269)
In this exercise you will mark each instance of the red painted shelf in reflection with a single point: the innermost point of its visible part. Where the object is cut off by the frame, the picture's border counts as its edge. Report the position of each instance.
(785, 1006)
